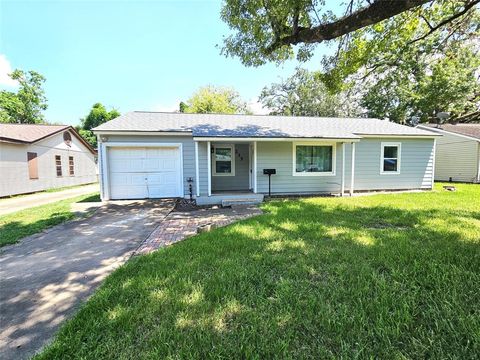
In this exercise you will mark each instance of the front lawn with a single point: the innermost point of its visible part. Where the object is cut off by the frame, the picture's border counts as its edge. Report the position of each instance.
(387, 276)
(30, 221)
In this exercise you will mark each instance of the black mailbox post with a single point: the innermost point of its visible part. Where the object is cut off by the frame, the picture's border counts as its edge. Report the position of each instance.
(269, 172)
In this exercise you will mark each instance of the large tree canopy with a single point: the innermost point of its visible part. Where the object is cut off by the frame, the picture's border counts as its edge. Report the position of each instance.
(219, 100)
(304, 94)
(26, 106)
(403, 58)
(265, 30)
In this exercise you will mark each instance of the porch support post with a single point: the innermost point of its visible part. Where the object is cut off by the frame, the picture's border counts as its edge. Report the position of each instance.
(352, 180)
(342, 192)
(255, 167)
(197, 177)
(209, 157)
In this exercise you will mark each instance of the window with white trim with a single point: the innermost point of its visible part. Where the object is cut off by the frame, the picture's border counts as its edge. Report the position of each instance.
(390, 160)
(223, 160)
(313, 159)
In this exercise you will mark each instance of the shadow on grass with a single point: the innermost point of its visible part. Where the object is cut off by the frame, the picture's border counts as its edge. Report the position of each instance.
(306, 280)
(13, 231)
(93, 198)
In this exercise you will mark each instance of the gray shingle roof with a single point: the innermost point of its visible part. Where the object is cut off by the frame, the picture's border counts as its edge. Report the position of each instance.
(472, 130)
(218, 125)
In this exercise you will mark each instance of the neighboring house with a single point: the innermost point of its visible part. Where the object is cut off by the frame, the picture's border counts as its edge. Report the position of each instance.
(457, 152)
(153, 155)
(41, 157)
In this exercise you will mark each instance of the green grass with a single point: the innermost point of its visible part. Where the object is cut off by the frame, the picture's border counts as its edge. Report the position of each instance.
(30, 221)
(53, 190)
(391, 276)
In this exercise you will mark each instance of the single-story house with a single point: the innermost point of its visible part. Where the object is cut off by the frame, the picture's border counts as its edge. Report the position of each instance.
(216, 158)
(40, 157)
(457, 152)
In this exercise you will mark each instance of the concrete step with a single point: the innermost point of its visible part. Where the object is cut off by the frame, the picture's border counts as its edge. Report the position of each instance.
(236, 201)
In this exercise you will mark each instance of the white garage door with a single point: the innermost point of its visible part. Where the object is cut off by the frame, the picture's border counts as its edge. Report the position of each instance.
(140, 173)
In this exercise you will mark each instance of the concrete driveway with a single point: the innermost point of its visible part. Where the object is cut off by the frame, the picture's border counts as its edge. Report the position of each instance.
(45, 277)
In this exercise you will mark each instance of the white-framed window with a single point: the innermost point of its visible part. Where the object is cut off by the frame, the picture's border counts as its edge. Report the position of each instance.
(390, 158)
(314, 159)
(223, 160)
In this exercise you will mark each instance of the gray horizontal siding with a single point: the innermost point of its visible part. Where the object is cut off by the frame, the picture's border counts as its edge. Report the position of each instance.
(279, 155)
(416, 167)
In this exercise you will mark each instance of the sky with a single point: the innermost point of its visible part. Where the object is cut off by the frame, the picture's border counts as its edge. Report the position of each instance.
(128, 55)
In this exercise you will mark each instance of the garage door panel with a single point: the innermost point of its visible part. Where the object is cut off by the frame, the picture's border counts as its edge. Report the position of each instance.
(137, 173)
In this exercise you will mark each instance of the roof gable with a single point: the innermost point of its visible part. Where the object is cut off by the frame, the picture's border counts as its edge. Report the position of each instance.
(32, 133)
(470, 130)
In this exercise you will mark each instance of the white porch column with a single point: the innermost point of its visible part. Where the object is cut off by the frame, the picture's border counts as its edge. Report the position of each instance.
(342, 192)
(255, 167)
(197, 177)
(352, 180)
(209, 157)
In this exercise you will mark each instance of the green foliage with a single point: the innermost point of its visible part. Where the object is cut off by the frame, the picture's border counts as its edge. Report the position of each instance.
(392, 276)
(183, 107)
(304, 94)
(97, 116)
(215, 100)
(27, 104)
(418, 62)
(401, 72)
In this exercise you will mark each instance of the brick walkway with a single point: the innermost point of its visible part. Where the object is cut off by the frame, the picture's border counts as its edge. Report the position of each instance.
(180, 225)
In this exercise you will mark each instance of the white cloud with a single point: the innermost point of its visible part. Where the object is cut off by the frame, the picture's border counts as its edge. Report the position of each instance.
(6, 69)
(256, 107)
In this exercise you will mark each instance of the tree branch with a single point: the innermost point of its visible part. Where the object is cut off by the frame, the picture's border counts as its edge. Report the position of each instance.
(446, 21)
(372, 14)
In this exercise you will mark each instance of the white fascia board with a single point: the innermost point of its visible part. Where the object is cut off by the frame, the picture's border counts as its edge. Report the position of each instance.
(433, 136)
(259, 139)
(151, 133)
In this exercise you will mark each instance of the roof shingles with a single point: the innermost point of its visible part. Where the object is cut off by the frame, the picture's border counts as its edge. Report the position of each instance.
(262, 126)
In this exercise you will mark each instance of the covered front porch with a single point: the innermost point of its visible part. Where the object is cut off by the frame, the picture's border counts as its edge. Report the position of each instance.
(231, 170)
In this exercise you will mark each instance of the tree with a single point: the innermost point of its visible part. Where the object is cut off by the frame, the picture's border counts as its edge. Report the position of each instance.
(97, 116)
(215, 100)
(27, 104)
(304, 94)
(266, 31)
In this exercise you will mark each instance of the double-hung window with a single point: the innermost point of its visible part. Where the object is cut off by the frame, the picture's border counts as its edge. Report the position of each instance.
(390, 159)
(311, 160)
(58, 165)
(71, 166)
(224, 160)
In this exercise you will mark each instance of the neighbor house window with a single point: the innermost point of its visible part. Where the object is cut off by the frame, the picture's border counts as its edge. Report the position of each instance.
(32, 165)
(313, 160)
(71, 166)
(58, 164)
(223, 160)
(390, 160)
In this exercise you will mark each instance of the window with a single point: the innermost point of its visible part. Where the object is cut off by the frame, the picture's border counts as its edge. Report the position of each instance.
(223, 160)
(58, 165)
(67, 138)
(32, 165)
(71, 166)
(390, 160)
(313, 160)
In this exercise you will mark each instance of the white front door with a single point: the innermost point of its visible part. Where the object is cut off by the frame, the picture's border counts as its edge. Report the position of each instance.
(144, 172)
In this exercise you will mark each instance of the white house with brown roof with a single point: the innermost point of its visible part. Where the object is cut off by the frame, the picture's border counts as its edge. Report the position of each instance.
(40, 157)
(457, 152)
